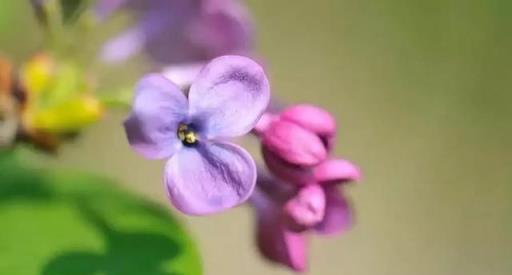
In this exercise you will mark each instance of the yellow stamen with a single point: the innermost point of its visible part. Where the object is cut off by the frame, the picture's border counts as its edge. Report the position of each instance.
(187, 135)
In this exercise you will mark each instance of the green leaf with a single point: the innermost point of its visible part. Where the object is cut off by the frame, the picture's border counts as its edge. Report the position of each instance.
(76, 224)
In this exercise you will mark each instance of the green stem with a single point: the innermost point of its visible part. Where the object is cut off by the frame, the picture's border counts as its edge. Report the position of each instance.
(54, 26)
(120, 101)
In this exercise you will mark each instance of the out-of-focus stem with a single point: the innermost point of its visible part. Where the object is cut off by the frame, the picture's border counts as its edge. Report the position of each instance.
(122, 100)
(54, 25)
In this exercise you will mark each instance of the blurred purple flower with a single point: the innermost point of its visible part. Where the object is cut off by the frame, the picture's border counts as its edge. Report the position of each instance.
(179, 31)
(204, 174)
(286, 213)
(275, 241)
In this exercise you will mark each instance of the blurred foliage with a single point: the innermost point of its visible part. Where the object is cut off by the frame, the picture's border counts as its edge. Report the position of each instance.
(69, 223)
(83, 39)
(63, 85)
(71, 9)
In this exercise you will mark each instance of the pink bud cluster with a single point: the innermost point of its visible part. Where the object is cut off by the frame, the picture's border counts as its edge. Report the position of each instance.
(301, 193)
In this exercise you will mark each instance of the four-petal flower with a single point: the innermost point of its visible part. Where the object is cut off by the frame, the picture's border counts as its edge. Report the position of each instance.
(205, 173)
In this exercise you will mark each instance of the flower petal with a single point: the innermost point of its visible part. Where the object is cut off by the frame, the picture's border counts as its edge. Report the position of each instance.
(167, 30)
(275, 242)
(123, 46)
(210, 178)
(294, 144)
(229, 95)
(338, 217)
(337, 170)
(224, 27)
(313, 118)
(158, 108)
(183, 74)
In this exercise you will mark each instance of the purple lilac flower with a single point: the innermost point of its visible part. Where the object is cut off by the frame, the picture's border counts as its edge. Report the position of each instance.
(180, 31)
(287, 213)
(204, 173)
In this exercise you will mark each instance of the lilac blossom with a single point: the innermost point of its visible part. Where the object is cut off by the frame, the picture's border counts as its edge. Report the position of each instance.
(301, 195)
(288, 213)
(296, 144)
(300, 134)
(204, 173)
(179, 31)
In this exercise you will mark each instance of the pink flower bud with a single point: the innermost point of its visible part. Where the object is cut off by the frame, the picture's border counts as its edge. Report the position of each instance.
(294, 144)
(314, 119)
(287, 172)
(306, 209)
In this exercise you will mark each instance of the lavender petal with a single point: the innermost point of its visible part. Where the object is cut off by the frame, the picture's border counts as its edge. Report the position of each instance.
(210, 178)
(158, 108)
(230, 94)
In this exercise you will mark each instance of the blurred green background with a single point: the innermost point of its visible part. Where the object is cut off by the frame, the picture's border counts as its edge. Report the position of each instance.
(422, 91)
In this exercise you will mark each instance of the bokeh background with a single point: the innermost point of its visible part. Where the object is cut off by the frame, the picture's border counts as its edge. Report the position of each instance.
(422, 91)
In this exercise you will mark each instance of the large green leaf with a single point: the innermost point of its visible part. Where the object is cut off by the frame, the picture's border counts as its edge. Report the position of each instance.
(74, 224)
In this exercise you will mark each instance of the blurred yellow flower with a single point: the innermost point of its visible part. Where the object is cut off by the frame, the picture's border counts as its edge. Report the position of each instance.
(69, 116)
(59, 97)
(37, 73)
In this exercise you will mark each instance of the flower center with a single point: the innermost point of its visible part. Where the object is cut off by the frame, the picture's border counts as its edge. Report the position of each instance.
(187, 135)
